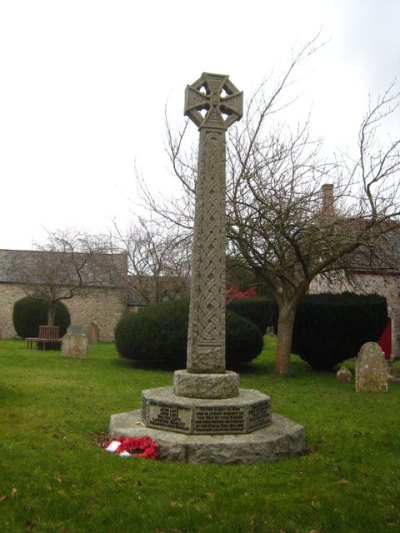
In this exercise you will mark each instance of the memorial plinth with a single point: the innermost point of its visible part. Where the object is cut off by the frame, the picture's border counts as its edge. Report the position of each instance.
(205, 416)
(248, 411)
(282, 439)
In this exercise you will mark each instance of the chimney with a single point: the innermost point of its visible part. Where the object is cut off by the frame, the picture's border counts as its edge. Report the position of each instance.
(328, 202)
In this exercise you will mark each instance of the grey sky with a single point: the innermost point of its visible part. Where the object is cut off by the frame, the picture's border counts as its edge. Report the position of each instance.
(84, 84)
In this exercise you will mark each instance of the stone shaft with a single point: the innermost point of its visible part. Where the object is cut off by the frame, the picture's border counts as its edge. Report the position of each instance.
(206, 334)
(215, 95)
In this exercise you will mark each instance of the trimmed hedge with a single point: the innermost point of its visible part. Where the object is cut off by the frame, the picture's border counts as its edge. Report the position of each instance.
(262, 312)
(243, 340)
(30, 313)
(157, 336)
(330, 328)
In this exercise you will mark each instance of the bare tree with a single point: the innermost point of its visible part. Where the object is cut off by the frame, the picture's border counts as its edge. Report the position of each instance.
(69, 263)
(158, 259)
(276, 219)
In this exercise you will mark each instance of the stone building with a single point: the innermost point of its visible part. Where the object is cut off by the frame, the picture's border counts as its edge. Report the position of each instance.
(370, 275)
(102, 297)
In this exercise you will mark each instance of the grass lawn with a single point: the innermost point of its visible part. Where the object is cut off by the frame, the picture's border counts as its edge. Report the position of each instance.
(54, 477)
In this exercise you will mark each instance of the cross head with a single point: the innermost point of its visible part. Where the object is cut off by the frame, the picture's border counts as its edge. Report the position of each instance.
(213, 101)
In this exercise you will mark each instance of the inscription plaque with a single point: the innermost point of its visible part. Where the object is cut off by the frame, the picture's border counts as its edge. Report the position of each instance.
(247, 412)
(259, 415)
(224, 419)
(169, 417)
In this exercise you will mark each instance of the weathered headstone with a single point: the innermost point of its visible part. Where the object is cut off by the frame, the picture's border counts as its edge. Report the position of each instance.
(80, 329)
(94, 333)
(344, 375)
(74, 345)
(90, 330)
(371, 369)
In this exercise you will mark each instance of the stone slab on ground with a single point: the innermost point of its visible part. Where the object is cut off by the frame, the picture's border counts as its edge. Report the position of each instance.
(282, 439)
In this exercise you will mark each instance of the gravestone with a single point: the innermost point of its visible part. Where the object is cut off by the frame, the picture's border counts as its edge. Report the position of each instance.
(74, 345)
(90, 330)
(94, 333)
(205, 416)
(371, 369)
(80, 329)
(344, 375)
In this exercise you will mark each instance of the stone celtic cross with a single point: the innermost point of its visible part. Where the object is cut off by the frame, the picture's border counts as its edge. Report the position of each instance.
(206, 403)
(213, 103)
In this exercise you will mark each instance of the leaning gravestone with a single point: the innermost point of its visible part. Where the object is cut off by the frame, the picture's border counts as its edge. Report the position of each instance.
(74, 345)
(371, 369)
(205, 416)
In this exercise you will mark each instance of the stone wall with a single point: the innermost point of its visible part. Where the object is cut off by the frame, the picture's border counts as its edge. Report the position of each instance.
(387, 285)
(104, 306)
(9, 294)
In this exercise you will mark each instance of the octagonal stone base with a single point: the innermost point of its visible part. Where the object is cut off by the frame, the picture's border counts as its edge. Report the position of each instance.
(282, 439)
(248, 411)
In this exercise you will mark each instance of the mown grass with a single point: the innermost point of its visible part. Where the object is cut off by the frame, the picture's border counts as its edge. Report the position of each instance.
(55, 478)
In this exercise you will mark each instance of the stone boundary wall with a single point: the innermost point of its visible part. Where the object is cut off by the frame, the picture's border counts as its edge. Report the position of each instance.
(387, 285)
(9, 294)
(104, 306)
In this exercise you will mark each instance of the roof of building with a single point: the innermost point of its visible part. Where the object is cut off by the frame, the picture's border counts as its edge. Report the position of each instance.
(62, 268)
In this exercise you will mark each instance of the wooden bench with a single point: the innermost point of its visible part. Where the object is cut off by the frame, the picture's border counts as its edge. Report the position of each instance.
(47, 335)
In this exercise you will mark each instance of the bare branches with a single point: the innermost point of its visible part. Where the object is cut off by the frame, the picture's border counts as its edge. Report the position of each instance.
(379, 165)
(277, 220)
(158, 260)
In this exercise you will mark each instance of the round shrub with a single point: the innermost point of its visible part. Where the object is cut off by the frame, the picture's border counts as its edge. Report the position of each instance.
(157, 336)
(261, 311)
(243, 340)
(330, 328)
(30, 313)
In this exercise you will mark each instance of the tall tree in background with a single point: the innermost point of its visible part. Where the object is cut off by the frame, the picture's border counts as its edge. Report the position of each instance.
(291, 226)
(277, 221)
(158, 259)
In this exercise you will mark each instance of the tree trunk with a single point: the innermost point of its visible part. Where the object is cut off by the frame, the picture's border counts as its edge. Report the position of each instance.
(284, 338)
(51, 314)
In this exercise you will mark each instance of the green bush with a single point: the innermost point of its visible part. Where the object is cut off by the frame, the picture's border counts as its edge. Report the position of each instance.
(243, 340)
(261, 311)
(30, 313)
(157, 336)
(330, 328)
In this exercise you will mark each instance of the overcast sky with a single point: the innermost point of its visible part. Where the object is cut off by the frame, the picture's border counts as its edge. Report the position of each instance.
(84, 84)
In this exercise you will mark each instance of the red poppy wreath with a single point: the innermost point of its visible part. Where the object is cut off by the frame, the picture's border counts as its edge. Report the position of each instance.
(136, 447)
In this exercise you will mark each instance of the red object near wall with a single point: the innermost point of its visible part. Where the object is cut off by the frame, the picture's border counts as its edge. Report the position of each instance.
(385, 341)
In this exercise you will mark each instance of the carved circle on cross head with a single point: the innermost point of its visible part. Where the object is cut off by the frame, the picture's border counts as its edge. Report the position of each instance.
(213, 101)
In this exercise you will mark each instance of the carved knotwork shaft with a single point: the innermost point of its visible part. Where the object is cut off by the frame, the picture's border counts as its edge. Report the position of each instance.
(206, 334)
